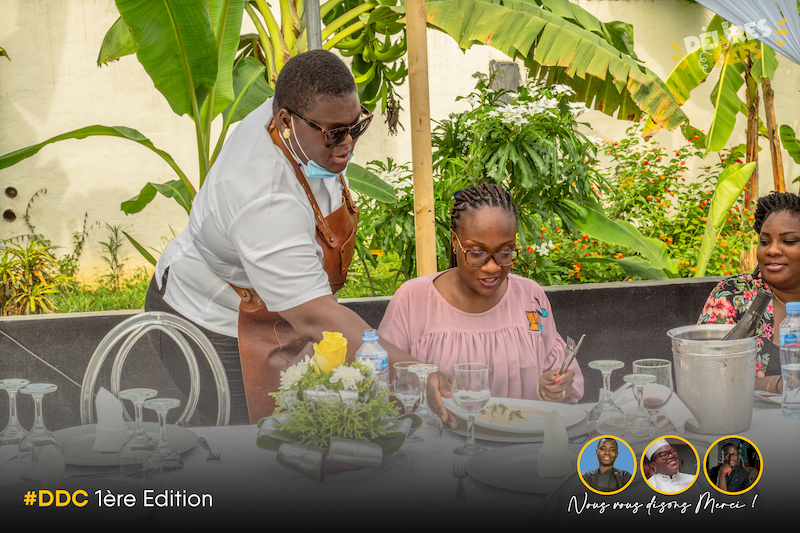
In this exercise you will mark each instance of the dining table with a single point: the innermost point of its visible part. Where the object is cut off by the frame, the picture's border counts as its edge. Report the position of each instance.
(246, 485)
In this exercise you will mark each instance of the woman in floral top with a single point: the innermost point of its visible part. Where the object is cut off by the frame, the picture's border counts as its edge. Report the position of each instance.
(777, 221)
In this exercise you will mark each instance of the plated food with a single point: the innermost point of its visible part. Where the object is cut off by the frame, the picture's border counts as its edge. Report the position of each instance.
(500, 413)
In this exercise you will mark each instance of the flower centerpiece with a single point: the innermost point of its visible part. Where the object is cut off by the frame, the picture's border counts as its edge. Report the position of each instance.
(331, 409)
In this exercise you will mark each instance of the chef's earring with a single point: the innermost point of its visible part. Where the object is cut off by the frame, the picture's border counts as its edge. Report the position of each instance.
(287, 133)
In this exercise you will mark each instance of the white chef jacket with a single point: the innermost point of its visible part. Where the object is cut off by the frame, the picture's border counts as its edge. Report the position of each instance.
(251, 224)
(673, 484)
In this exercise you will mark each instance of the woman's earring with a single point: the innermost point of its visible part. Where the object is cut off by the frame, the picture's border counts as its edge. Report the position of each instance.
(287, 133)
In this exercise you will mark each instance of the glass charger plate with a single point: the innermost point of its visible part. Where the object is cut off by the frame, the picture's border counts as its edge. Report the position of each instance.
(573, 431)
(571, 414)
(514, 468)
(76, 443)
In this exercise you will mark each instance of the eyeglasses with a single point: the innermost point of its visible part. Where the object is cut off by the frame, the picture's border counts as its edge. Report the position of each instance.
(731, 454)
(665, 455)
(336, 136)
(477, 258)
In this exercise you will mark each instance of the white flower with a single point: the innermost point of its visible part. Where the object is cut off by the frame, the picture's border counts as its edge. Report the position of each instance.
(349, 376)
(597, 141)
(292, 375)
(576, 108)
(562, 89)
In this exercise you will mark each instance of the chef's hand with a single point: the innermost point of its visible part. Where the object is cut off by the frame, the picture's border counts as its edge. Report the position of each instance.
(438, 388)
(554, 387)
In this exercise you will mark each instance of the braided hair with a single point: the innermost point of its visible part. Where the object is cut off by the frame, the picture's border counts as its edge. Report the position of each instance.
(476, 198)
(775, 202)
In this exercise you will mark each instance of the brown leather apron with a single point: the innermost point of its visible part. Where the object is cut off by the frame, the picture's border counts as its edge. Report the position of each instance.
(267, 342)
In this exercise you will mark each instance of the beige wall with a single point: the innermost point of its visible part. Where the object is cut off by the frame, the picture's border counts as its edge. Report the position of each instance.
(52, 85)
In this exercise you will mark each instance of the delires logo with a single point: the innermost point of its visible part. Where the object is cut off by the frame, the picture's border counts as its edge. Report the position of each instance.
(714, 45)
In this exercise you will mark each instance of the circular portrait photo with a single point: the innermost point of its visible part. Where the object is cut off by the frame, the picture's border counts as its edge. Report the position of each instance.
(607, 465)
(733, 465)
(670, 465)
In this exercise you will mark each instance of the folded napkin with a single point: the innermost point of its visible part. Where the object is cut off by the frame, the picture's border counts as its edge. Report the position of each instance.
(110, 432)
(51, 466)
(674, 415)
(554, 459)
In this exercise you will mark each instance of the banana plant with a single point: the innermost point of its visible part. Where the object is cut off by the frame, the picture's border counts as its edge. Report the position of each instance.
(729, 186)
(652, 263)
(189, 49)
(740, 61)
(371, 32)
(562, 43)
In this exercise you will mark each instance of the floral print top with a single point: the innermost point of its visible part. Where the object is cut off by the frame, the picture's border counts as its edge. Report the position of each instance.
(729, 301)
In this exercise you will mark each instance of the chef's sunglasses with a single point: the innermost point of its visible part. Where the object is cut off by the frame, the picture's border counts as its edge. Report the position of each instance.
(336, 136)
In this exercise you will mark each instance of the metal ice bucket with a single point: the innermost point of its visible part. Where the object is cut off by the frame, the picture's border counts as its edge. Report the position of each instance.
(715, 378)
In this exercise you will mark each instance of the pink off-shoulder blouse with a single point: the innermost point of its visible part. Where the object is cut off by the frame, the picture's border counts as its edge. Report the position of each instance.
(517, 337)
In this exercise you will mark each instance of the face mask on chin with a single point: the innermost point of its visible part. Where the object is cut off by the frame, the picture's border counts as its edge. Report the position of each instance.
(312, 169)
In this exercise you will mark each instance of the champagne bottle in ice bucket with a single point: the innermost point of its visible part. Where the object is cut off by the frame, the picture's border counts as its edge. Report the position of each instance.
(746, 327)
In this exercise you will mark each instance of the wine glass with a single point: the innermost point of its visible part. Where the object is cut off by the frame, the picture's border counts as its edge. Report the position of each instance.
(135, 451)
(640, 426)
(423, 370)
(606, 410)
(39, 436)
(431, 429)
(14, 432)
(657, 394)
(471, 392)
(161, 459)
(405, 385)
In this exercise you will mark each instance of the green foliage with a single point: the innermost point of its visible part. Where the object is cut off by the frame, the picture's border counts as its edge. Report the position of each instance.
(111, 254)
(81, 298)
(28, 276)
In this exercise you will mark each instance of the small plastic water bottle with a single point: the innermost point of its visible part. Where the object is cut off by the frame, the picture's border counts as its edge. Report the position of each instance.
(373, 353)
(790, 361)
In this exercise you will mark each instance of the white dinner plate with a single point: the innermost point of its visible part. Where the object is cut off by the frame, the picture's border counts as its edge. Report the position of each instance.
(76, 443)
(514, 468)
(570, 413)
(573, 431)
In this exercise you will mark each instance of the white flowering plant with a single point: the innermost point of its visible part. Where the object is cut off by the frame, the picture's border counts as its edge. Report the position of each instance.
(326, 397)
(527, 141)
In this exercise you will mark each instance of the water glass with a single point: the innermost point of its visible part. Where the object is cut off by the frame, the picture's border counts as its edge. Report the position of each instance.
(162, 459)
(14, 432)
(39, 437)
(405, 385)
(135, 451)
(471, 389)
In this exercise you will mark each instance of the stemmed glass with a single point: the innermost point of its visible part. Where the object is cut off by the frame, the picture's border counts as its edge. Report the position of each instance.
(39, 436)
(657, 394)
(606, 410)
(431, 429)
(14, 432)
(640, 427)
(405, 385)
(162, 459)
(138, 448)
(471, 392)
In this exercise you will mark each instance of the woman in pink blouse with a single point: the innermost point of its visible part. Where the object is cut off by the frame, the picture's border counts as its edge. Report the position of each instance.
(478, 312)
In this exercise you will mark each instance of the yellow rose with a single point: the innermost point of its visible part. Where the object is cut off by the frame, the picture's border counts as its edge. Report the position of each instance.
(330, 352)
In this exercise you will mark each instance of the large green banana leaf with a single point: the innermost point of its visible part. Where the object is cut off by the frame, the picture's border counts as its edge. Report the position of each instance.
(594, 222)
(175, 45)
(226, 22)
(117, 43)
(15, 157)
(726, 101)
(729, 186)
(365, 182)
(633, 266)
(562, 51)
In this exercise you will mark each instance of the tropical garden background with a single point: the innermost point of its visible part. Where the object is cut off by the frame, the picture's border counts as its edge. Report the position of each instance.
(628, 152)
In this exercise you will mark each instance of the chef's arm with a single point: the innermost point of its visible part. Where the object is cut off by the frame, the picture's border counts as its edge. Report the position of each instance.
(310, 319)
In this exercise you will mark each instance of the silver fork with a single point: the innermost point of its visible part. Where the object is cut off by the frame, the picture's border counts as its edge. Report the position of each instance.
(204, 443)
(460, 472)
